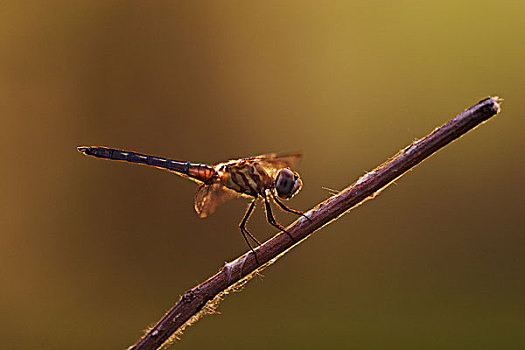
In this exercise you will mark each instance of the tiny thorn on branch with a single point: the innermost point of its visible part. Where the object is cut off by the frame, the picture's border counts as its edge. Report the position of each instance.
(206, 295)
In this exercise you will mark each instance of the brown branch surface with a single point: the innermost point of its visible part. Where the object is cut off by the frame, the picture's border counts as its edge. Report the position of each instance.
(235, 273)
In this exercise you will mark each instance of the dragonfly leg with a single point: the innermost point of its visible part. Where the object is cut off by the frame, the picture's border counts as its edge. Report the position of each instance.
(290, 210)
(245, 232)
(271, 219)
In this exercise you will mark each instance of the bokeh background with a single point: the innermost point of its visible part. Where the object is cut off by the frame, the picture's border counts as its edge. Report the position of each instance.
(92, 252)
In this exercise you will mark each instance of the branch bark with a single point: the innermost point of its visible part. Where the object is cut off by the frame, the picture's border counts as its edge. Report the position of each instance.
(206, 295)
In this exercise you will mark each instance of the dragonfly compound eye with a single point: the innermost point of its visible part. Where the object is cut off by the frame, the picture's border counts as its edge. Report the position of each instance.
(287, 183)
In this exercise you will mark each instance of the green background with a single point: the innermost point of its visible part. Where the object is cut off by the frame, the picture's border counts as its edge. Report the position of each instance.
(92, 252)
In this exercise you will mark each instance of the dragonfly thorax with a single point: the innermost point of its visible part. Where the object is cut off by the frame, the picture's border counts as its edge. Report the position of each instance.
(287, 183)
(245, 177)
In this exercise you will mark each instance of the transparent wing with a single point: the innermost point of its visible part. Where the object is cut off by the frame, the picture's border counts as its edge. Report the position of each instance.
(278, 161)
(208, 197)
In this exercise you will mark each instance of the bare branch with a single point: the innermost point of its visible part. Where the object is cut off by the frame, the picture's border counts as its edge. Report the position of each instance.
(206, 295)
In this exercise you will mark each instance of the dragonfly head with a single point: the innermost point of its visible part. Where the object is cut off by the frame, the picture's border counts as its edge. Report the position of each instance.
(287, 183)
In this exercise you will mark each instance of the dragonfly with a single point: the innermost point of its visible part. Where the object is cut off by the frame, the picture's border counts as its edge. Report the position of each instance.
(268, 177)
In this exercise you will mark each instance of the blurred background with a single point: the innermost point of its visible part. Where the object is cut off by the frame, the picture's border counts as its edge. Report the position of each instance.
(92, 252)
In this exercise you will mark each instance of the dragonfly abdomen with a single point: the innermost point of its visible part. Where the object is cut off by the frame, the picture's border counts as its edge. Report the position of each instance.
(201, 172)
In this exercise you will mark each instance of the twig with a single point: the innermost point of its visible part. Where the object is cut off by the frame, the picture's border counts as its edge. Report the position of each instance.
(206, 295)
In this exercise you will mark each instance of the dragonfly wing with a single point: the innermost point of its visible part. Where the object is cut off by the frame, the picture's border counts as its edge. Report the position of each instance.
(273, 162)
(208, 198)
(279, 161)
